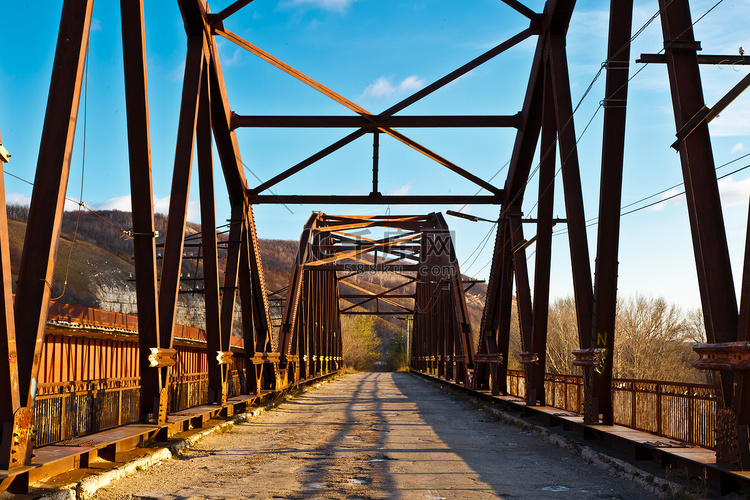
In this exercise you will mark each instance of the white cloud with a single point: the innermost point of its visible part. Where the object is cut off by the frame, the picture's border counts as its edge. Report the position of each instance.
(332, 5)
(380, 87)
(71, 206)
(161, 206)
(734, 193)
(96, 25)
(405, 189)
(117, 203)
(672, 195)
(383, 86)
(737, 147)
(17, 199)
(412, 82)
(235, 60)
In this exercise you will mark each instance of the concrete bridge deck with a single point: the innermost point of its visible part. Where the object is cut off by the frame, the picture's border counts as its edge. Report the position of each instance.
(375, 435)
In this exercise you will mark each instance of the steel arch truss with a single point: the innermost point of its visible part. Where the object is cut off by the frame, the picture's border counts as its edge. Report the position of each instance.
(417, 250)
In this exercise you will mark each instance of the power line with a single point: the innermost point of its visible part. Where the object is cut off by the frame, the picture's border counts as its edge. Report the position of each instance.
(83, 170)
(594, 221)
(583, 97)
(483, 244)
(591, 222)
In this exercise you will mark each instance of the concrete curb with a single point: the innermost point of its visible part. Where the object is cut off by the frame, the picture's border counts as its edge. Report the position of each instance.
(657, 486)
(85, 489)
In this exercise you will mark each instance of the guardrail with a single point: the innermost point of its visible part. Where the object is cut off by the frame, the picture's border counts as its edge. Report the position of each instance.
(89, 378)
(684, 412)
(69, 409)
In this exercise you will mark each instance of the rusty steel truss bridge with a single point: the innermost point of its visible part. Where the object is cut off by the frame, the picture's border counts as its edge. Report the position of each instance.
(150, 374)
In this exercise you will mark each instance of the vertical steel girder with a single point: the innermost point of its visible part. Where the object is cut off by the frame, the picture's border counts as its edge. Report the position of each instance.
(701, 188)
(440, 310)
(459, 342)
(45, 213)
(290, 318)
(261, 309)
(610, 196)
(10, 454)
(523, 291)
(169, 284)
(249, 335)
(503, 316)
(535, 393)
(310, 335)
(715, 278)
(496, 317)
(142, 200)
(571, 178)
(216, 340)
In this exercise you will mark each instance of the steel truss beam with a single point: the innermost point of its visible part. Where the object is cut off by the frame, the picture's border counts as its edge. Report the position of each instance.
(724, 325)
(39, 255)
(496, 318)
(11, 454)
(142, 201)
(610, 196)
(380, 119)
(370, 122)
(292, 199)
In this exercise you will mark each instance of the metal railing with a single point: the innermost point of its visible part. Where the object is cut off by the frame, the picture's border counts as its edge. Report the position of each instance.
(684, 412)
(67, 410)
(90, 382)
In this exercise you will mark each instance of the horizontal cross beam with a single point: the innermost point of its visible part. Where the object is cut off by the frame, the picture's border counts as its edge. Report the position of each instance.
(736, 59)
(376, 296)
(446, 121)
(376, 199)
(381, 313)
(366, 268)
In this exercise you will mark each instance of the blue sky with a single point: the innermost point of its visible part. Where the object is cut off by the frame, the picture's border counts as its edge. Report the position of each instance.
(376, 53)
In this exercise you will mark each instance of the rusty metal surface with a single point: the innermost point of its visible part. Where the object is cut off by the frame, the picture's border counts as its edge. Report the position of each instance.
(90, 382)
(608, 231)
(731, 356)
(142, 198)
(9, 389)
(48, 198)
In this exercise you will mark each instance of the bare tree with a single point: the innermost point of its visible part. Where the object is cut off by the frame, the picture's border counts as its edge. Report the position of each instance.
(562, 337)
(653, 339)
(649, 337)
(696, 328)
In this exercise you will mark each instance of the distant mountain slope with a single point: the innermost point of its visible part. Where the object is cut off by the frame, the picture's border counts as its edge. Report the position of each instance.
(90, 272)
